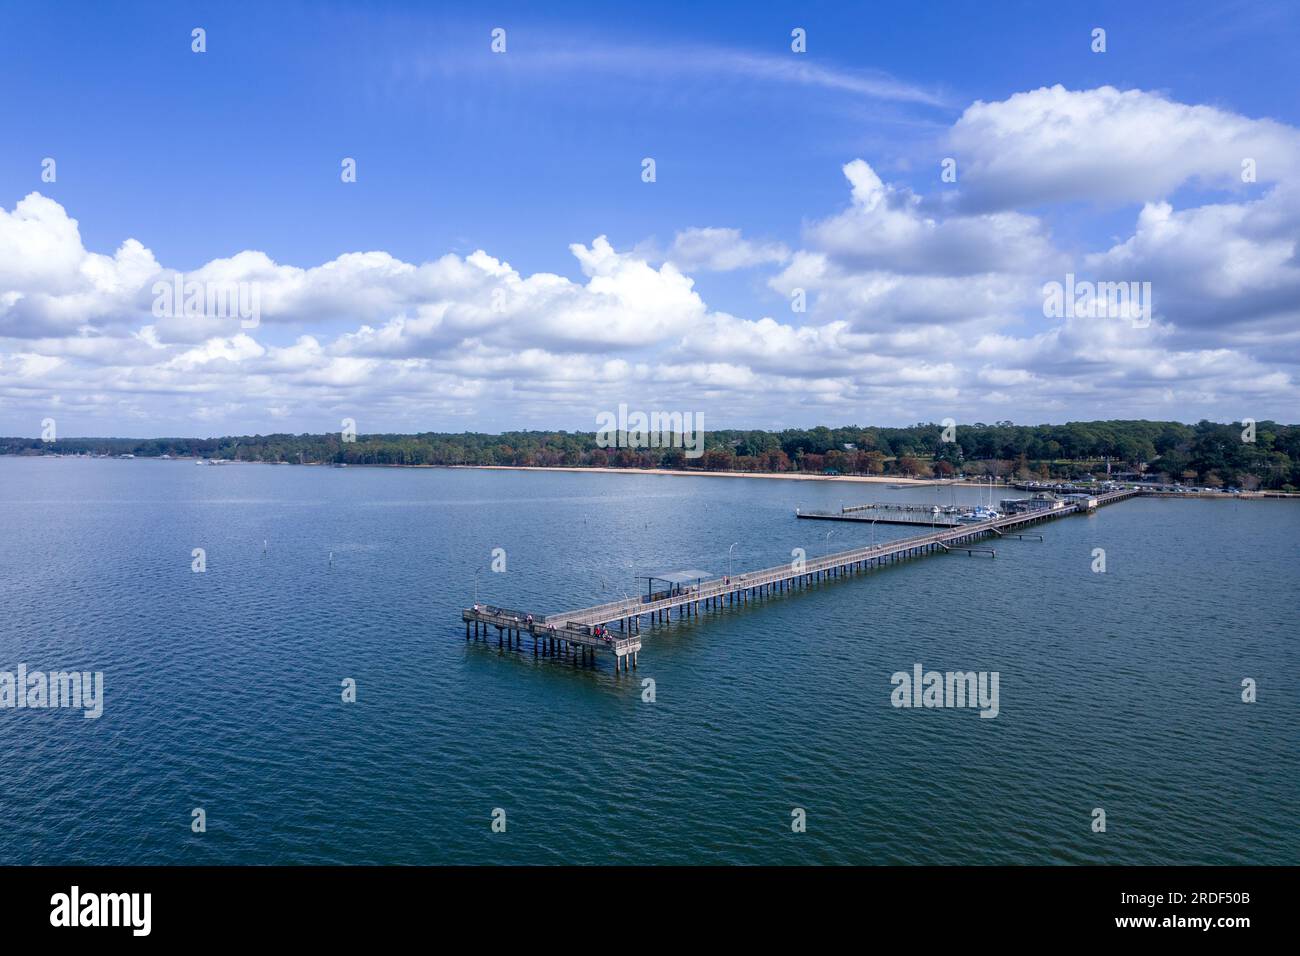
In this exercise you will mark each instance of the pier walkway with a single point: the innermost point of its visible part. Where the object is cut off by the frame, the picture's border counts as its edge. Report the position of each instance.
(585, 633)
(928, 515)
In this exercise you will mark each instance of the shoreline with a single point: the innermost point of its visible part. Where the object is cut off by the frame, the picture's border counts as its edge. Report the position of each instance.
(894, 480)
(786, 476)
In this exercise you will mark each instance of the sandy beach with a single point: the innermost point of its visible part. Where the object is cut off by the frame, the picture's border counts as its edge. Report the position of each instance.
(869, 479)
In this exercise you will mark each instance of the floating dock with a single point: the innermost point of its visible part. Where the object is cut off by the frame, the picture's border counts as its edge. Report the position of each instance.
(586, 634)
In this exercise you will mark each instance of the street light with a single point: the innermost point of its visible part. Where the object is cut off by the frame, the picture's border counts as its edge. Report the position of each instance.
(873, 531)
(828, 541)
(729, 560)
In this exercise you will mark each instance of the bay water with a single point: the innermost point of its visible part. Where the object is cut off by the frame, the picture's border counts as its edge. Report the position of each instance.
(223, 688)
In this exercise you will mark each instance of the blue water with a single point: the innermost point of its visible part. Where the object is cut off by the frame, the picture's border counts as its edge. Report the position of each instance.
(1118, 690)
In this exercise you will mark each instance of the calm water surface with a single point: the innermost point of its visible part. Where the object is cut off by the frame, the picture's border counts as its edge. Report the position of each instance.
(1118, 690)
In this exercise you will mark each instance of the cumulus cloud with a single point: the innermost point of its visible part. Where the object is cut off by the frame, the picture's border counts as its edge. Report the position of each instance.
(50, 284)
(1107, 145)
(722, 250)
(885, 229)
(1220, 266)
(884, 262)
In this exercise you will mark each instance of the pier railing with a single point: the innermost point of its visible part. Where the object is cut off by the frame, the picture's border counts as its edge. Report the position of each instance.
(567, 616)
(715, 587)
(884, 506)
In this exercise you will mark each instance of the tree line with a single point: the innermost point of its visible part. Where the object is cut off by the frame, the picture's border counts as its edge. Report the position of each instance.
(1207, 453)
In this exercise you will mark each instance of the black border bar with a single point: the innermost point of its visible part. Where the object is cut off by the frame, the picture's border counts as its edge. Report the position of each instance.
(333, 904)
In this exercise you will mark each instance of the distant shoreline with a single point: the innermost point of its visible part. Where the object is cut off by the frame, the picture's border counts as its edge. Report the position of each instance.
(787, 476)
(896, 480)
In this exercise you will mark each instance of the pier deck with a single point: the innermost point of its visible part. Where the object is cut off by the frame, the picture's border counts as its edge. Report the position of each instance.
(861, 515)
(584, 633)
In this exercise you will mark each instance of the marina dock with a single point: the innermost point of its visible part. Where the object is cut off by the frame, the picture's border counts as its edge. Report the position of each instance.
(585, 634)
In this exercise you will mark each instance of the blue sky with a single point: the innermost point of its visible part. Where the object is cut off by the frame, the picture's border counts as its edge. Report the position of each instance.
(201, 157)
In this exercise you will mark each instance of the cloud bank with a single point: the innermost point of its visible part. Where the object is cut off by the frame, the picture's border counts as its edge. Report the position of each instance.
(896, 307)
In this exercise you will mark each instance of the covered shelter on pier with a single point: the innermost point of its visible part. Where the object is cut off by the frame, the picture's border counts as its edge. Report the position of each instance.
(673, 583)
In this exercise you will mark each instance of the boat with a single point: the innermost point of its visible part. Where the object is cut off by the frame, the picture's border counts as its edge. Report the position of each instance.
(979, 514)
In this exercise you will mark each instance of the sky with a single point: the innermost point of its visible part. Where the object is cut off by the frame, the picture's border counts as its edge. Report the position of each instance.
(862, 232)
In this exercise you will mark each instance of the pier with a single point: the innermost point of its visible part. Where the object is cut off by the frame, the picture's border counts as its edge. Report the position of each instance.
(583, 635)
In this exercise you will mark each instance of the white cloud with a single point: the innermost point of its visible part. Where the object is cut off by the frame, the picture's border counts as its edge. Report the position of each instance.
(234, 350)
(49, 283)
(885, 229)
(549, 56)
(1219, 266)
(884, 263)
(722, 250)
(1104, 145)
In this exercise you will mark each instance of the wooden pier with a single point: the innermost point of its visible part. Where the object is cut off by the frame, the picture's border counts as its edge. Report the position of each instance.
(885, 514)
(886, 506)
(585, 634)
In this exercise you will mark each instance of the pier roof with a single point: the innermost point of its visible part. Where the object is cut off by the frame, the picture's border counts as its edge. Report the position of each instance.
(688, 576)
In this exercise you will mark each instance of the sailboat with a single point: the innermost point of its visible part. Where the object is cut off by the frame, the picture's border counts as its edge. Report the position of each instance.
(981, 512)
